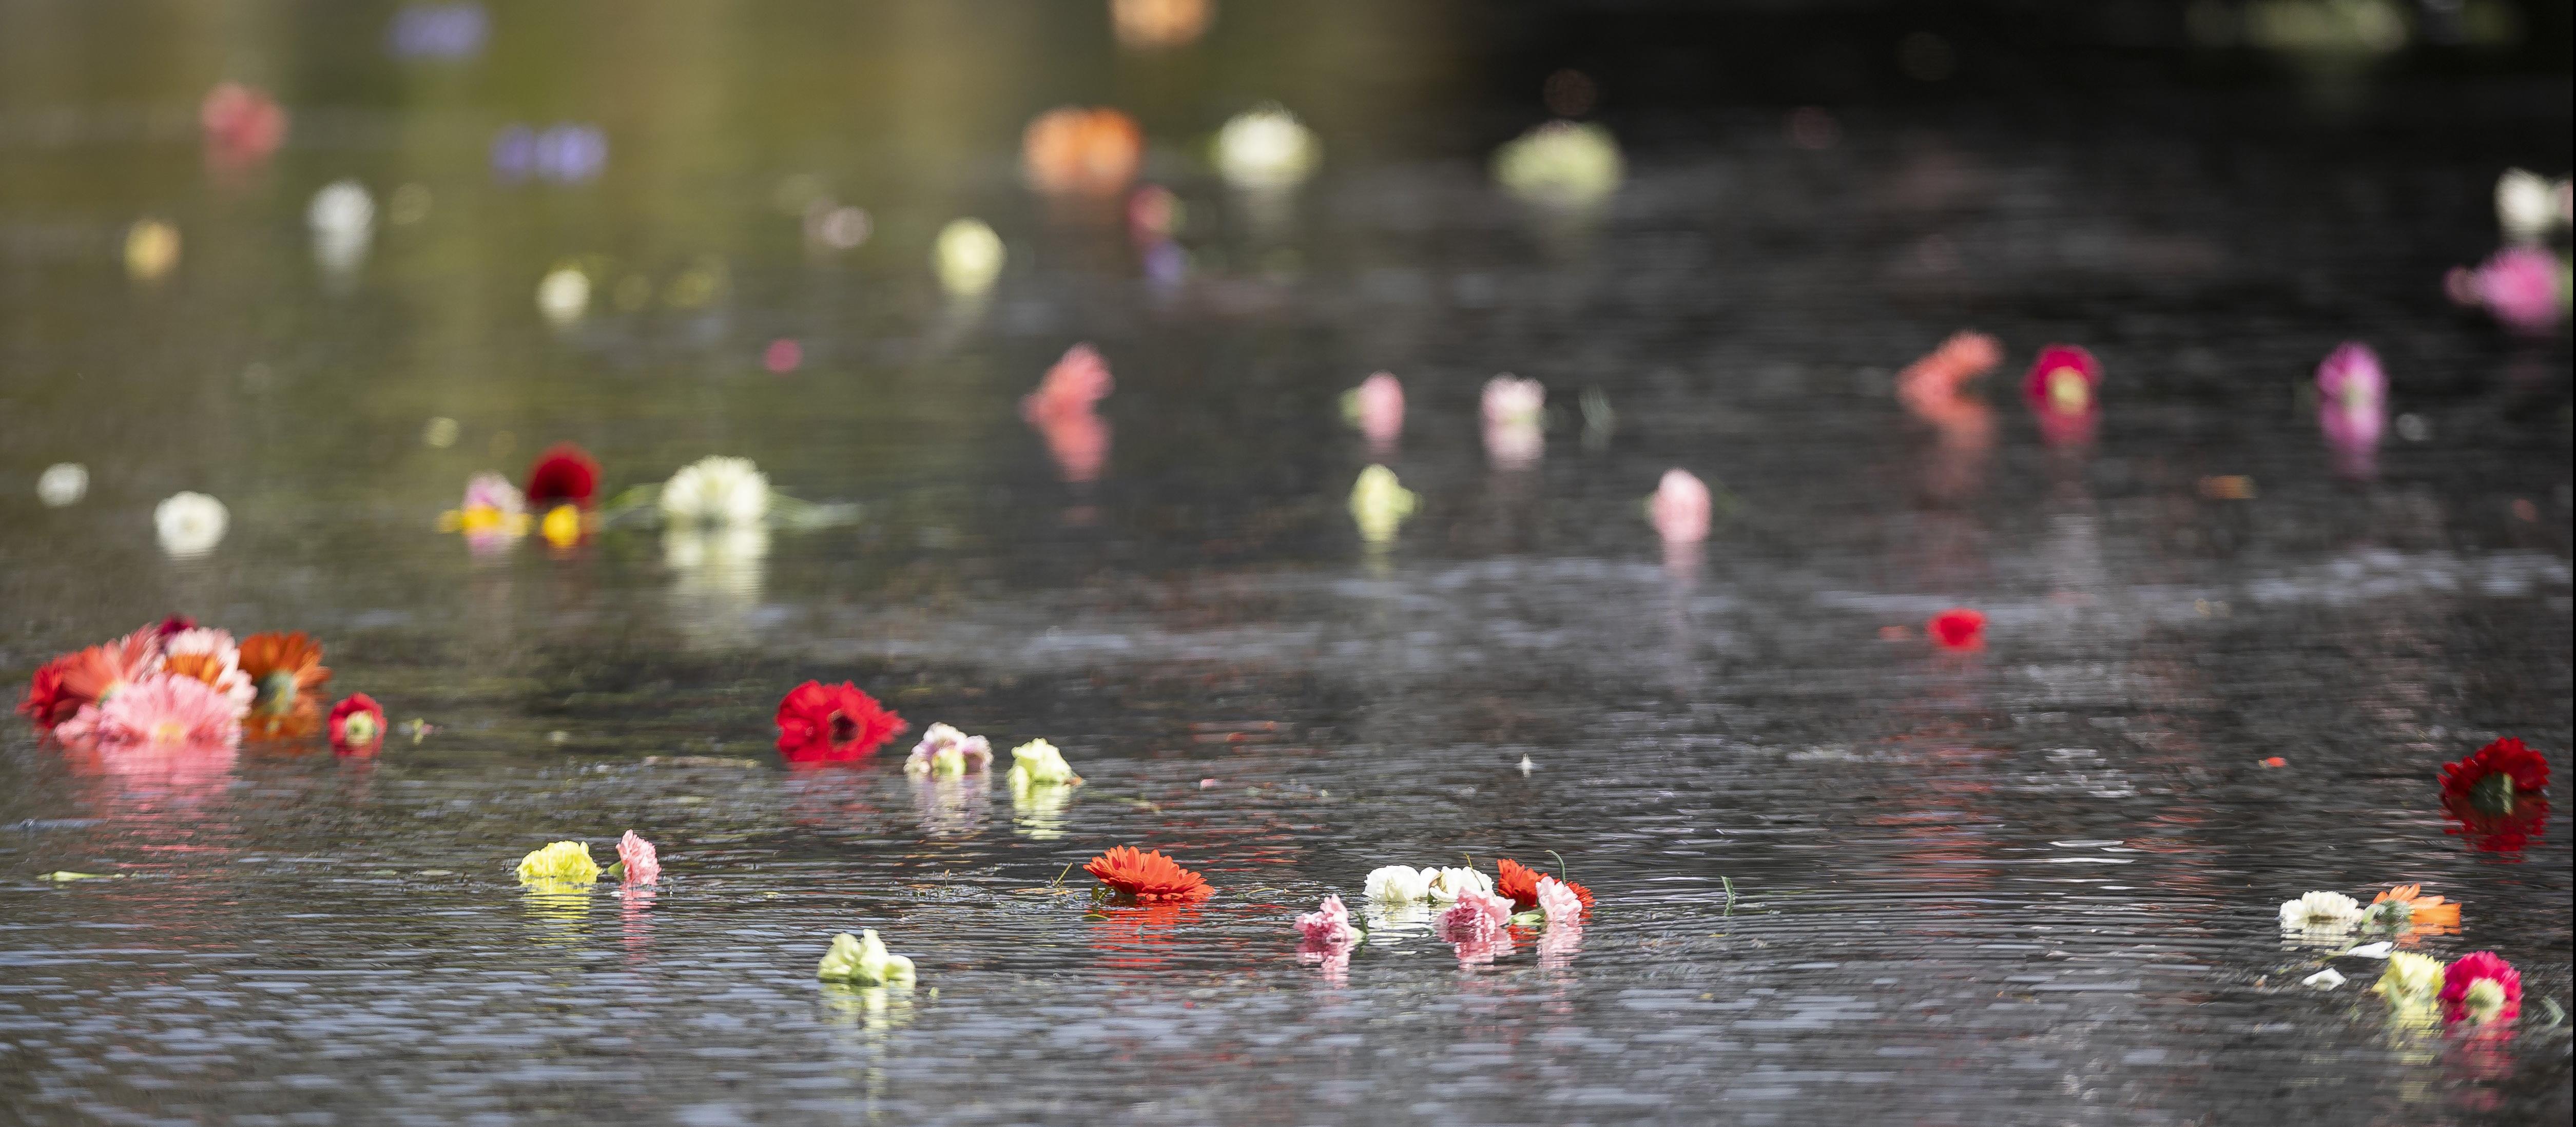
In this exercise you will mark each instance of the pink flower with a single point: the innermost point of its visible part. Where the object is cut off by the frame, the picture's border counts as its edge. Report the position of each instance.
(2353, 405)
(162, 710)
(642, 866)
(1062, 411)
(1560, 903)
(1477, 917)
(243, 125)
(1328, 926)
(1680, 508)
(1379, 403)
(1558, 945)
(2064, 390)
(2519, 286)
(1510, 401)
(2481, 987)
(1929, 387)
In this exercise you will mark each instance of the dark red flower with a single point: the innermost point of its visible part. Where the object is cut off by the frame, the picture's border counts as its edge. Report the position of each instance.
(1957, 629)
(2502, 1003)
(565, 474)
(174, 624)
(1148, 876)
(819, 723)
(47, 702)
(1519, 884)
(2063, 388)
(357, 725)
(2498, 796)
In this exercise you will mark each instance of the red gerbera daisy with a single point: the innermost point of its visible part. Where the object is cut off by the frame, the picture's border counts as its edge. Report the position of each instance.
(1519, 883)
(47, 703)
(2498, 795)
(2463, 996)
(819, 723)
(1148, 876)
(1957, 629)
(357, 725)
(565, 474)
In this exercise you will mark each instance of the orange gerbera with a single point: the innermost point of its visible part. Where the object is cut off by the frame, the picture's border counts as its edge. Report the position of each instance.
(288, 673)
(2423, 912)
(1148, 876)
(1519, 883)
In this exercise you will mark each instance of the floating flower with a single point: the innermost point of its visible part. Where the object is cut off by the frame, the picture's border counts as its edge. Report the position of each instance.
(1376, 406)
(1063, 409)
(1520, 884)
(1398, 884)
(819, 723)
(1562, 902)
(2521, 286)
(209, 656)
(243, 125)
(2321, 912)
(288, 673)
(1445, 885)
(1158, 23)
(1148, 876)
(565, 474)
(716, 490)
(563, 860)
(162, 711)
(63, 686)
(2411, 980)
(490, 515)
(2407, 905)
(863, 958)
(2352, 406)
(342, 218)
(151, 249)
(1072, 149)
(1328, 926)
(1477, 917)
(190, 524)
(1379, 504)
(946, 751)
(1511, 401)
(357, 725)
(1930, 386)
(1561, 164)
(1957, 629)
(2498, 796)
(2530, 206)
(2063, 388)
(642, 864)
(563, 295)
(63, 483)
(1680, 507)
(1037, 763)
(968, 257)
(1266, 149)
(2481, 987)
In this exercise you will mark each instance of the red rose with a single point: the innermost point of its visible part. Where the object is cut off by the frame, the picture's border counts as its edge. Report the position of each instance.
(565, 474)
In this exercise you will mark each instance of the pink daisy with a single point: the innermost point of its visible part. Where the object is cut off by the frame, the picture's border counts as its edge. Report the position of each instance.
(166, 710)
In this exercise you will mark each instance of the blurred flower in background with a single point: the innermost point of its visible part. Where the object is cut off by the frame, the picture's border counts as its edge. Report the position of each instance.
(190, 524)
(968, 257)
(1070, 149)
(1149, 24)
(2524, 287)
(2352, 407)
(1376, 406)
(2063, 390)
(1266, 149)
(563, 295)
(2531, 207)
(1379, 505)
(63, 483)
(1680, 508)
(151, 250)
(1514, 412)
(563, 153)
(342, 218)
(437, 31)
(1064, 411)
(242, 125)
(1561, 164)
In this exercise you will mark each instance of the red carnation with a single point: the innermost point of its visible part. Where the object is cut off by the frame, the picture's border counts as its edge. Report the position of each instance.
(1519, 883)
(47, 702)
(2498, 795)
(2063, 389)
(565, 474)
(2504, 1003)
(819, 723)
(1957, 629)
(357, 725)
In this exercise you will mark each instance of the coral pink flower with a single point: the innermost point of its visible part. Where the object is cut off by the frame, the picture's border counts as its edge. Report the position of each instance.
(164, 710)
(1062, 410)
(2064, 390)
(2481, 986)
(1680, 508)
(819, 723)
(1148, 876)
(1559, 902)
(565, 474)
(643, 866)
(1929, 387)
(357, 725)
(2519, 286)
(1957, 629)
(67, 684)
(243, 125)
(209, 656)
(1328, 926)
(1379, 404)
(2352, 406)
(1074, 150)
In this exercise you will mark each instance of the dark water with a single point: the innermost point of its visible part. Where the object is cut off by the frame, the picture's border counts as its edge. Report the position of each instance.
(1842, 878)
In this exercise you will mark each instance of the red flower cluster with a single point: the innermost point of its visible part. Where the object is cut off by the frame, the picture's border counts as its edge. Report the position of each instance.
(2498, 796)
(1957, 629)
(819, 723)
(1148, 876)
(565, 474)
(1519, 884)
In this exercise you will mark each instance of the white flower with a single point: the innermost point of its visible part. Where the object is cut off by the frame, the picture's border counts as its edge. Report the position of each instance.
(968, 257)
(944, 750)
(2325, 979)
(1446, 884)
(2321, 911)
(1265, 149)
(1510, 401)
(2377, 950)
(343, 218)
(564, 295)
(63, 483)
(190, 524)
(1560, 163)
(1398, 884)
(1037, 763)
(863, 958)
(2529, 205)
(717, 490)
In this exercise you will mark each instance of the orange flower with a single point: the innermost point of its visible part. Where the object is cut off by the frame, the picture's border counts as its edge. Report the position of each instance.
(2423, 912)
(1148, 876)
(288, 672)
(1519, 884)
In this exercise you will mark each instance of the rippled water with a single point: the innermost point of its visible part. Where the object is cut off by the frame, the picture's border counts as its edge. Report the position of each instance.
(1842, 877)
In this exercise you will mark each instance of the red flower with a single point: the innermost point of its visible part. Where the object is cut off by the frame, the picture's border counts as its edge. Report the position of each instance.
(1148, 876)
(174, 624)
(47, 703)
(242, 124)
(565, 474)
(357, 725)
(288, 672)
(2463, 976)
(819, 723)
(2498, 796)
(63, 685)
(1958, 629)
(1519, 883)
(2063, 389)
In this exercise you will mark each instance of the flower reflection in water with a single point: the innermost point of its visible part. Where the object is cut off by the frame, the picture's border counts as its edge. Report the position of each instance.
(716, 574)
(1138, 942)
(950, 805)
(1559, 944)
(635, 915)
(1038, 812)
(559, 909)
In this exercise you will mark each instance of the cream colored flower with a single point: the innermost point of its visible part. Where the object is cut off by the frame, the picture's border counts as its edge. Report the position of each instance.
(2529, 205)
(1379, 504)
(563, 860)
(63, 483)
(864, 959)
(1037, 763)
(1561, 164)
(190, 524)
(2321, 911)
(563, 295)
(968, 257)
(1398, 884)
(2410, 980)
(1445, 885)
(1266, 149)
(717, 490)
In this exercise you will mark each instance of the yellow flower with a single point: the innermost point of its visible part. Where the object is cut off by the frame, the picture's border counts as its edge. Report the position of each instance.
(562, 526)
(1038, 764)
(1379, 504)
(863, 959)
(2410, 980)
(563, 860)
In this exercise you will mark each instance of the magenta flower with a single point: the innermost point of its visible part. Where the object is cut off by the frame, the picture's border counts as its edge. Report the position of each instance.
(2520, 286)
(1328, 926)
(2353, 406)
(1680, 508)
(643, 866)
(161, 710)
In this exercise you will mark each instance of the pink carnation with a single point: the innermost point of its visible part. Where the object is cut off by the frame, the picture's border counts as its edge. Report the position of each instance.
(1477, 917)
(642, 866)
(1329, 925)
(1559, 902)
